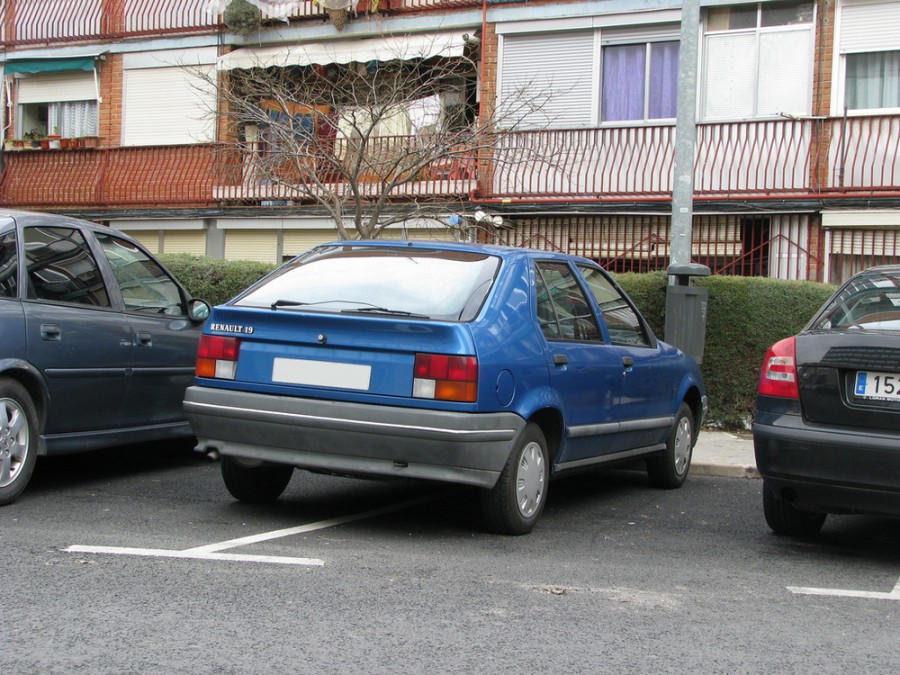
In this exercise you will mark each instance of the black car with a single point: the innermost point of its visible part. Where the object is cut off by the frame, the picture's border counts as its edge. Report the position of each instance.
(827, 425)
(97, 343)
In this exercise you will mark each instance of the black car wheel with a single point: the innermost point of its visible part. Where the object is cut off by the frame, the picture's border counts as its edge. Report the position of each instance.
(784, 518)
(515, 503)
(670, 469)
(18, 439)
(255, 482)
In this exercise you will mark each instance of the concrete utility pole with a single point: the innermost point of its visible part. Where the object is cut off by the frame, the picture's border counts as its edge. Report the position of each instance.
(685, 305)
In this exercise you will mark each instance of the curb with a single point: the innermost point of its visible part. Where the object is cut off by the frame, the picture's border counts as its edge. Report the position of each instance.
(724, 470)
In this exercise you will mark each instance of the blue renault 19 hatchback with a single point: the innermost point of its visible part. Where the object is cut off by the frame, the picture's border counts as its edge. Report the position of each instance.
(494, 367)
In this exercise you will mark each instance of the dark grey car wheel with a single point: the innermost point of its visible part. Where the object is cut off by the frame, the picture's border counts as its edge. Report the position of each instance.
(255, 482)
(18, 439)
(670, 469)
(515, 503)
(785, 518)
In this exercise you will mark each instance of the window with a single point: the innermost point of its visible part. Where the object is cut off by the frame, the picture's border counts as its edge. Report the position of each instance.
(62, 103)
(640, 81)
(563, 310)
(872, 81)
(61, 267)
(144, 285)
(9, 267)
(746, 48)
(622, 322)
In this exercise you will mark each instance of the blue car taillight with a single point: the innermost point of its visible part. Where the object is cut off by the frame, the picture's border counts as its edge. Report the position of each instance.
(446, 378)
(217, 357)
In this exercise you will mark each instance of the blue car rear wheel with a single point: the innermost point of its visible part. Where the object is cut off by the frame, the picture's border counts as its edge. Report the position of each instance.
(515, 503)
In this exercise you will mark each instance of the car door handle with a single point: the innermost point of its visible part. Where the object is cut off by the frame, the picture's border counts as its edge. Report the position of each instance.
(627, 361)
(560, 359)
(50, 331)
(144, 340)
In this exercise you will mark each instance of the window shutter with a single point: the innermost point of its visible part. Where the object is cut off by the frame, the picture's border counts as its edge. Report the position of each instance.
(56, 87)
(190, 241)
(785, 73)
(300, 241)
(730, 75)
(869, 25)
(559, 67)
(167, 106)
(259, 245)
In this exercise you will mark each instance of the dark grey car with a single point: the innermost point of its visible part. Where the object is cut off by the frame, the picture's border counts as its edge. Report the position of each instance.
(97, 343)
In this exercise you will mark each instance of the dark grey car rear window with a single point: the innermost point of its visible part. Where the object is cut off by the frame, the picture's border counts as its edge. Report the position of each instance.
(429, 283)
(870, 301)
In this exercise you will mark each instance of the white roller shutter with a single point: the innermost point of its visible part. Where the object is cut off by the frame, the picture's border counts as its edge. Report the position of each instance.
(869, 25)
(167, 106)
(785, 89)
(261, 245)
(730, 75)
(192, 241)
(57, 87)
(299, 241)
(557, 67)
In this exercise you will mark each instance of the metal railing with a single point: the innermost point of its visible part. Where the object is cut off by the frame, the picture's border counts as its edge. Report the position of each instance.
(807, 159)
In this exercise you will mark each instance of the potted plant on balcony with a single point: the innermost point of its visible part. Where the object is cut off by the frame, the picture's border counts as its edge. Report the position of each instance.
(53, 139)
(88, 141)
(36, 137)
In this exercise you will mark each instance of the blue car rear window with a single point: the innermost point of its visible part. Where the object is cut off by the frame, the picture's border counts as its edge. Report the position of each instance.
(447, 285)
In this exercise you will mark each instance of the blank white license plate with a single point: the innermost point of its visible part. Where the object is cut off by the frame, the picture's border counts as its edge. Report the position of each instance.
(882, 386)
(322, 373)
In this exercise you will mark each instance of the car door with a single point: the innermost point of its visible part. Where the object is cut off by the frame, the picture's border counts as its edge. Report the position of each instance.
(585, 370)
(165, 339)
(648, 385)
(74, 335)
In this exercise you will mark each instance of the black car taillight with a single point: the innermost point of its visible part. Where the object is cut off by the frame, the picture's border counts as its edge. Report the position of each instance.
(779, 371)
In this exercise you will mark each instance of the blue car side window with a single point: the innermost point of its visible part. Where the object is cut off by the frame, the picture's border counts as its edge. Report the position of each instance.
(622, 322)
(9, 266)
(563, 310)
(61, 267)
(145, 286)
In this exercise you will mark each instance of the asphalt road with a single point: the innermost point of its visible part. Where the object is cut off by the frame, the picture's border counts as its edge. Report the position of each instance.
(137, 561)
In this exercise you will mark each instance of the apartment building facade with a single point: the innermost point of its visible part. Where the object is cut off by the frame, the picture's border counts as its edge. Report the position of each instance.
(797, 152)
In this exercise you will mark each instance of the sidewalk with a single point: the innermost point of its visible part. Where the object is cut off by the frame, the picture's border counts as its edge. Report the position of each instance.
(724, 453)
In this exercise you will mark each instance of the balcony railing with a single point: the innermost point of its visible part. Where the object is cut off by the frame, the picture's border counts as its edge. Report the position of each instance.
(796, 159)
(750, 160)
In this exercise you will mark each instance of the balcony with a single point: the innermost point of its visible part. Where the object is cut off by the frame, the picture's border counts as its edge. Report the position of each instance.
(38, 22)
(856, 157)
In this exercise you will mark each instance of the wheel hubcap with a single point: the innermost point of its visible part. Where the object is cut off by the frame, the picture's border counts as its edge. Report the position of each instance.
(682, 445)
(530, 479)
(13, 440)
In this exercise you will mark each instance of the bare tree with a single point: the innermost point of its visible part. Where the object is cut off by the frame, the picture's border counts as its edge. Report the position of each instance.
(365, 140)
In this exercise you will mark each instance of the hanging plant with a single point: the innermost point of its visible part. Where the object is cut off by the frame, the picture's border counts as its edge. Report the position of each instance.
(241, 17)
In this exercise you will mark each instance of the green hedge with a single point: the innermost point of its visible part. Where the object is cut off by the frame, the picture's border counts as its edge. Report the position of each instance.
(744, 316)
(214, 280)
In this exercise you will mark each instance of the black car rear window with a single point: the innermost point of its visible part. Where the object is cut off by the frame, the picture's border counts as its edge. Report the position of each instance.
(445, 285)
(869, 301)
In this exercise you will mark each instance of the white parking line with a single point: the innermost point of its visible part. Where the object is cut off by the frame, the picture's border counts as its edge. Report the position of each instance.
(841, 593)
(212, 551)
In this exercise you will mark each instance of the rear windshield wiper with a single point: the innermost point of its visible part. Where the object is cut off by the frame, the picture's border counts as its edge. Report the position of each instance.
(384, 310)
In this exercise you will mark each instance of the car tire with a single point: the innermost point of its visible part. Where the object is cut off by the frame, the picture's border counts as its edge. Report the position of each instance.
(785, 518)
(669, 469)
(255, 482)
(516, 502)
(18, 439)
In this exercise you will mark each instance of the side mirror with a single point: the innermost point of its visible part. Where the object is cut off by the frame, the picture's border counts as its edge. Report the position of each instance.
(198, 310)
